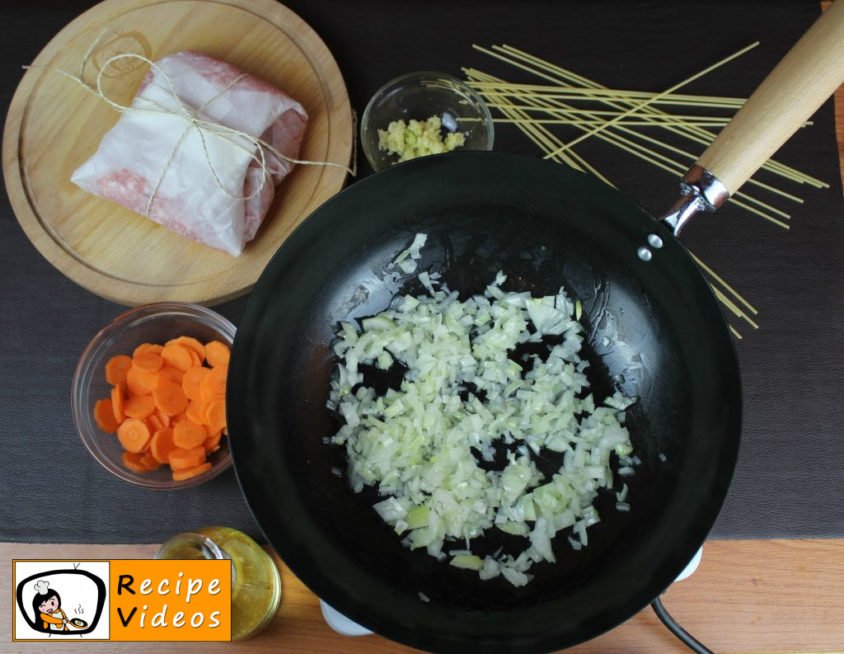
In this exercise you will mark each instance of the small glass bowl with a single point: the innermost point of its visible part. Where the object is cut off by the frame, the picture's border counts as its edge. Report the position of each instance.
(419, 96)
(149, 323)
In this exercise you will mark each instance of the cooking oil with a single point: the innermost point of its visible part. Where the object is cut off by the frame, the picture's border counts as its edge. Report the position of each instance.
(256, 582)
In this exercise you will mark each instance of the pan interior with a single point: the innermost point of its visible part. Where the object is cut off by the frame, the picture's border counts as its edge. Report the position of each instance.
(653, 330)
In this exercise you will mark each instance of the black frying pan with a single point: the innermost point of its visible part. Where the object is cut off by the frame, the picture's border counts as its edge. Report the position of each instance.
(653, 327)
(654, 330)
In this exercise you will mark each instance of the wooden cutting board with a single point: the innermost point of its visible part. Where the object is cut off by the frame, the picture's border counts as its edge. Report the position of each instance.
(54, 124)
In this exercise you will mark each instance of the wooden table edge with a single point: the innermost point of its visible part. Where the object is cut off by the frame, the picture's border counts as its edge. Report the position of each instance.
(781, 595)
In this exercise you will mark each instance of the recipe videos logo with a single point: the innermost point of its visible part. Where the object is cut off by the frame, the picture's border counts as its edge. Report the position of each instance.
(125, 600)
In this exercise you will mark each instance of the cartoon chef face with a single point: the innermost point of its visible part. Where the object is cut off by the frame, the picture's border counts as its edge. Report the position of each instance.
(49, 605)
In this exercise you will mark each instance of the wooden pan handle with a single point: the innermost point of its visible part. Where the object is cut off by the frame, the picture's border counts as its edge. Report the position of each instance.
(801, 82)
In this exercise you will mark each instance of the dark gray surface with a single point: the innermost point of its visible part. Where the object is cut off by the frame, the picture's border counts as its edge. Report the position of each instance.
(789, 481)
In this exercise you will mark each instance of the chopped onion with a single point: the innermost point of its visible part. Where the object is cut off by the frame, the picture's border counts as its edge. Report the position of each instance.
(467, 561)
(461, 399)
(406, 259)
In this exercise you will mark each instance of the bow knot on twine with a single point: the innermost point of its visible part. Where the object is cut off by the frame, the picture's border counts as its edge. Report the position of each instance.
(254, 146)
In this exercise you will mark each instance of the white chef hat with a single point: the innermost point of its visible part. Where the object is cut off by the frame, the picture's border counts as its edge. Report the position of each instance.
(42, 586)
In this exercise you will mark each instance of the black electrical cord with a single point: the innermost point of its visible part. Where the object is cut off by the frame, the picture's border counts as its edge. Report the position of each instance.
(688, 640)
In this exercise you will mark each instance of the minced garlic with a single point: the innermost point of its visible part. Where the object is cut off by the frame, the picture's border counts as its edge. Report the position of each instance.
(418, 138)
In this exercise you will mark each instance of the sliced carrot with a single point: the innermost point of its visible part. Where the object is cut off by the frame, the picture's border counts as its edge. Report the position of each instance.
(190, 343)
(217, 353)
(177, 356)
(132, 460)
(169, 374)
(152, 429)
(181, 458)
(212, 443)
(148, 361)
(196, 412)
(192, 382)
(163, 417)
(170, 398)
(104, 415)
(148, 378)
(116, 368)
(215, 414)
(154, 423)
(161, 444)
(133, 434)
(140, 382)
(214, 384)
(117, 398)
(149, 461)
(189, 473)
(188, 434)
(139, 406)
(147, 347)
(167, 405)
(133, 382)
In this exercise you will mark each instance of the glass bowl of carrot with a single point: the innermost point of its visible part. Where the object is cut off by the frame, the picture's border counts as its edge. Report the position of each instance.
(149, 395)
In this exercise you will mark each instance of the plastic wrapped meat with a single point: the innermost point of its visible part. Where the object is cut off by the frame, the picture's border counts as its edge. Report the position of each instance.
(180, 155)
